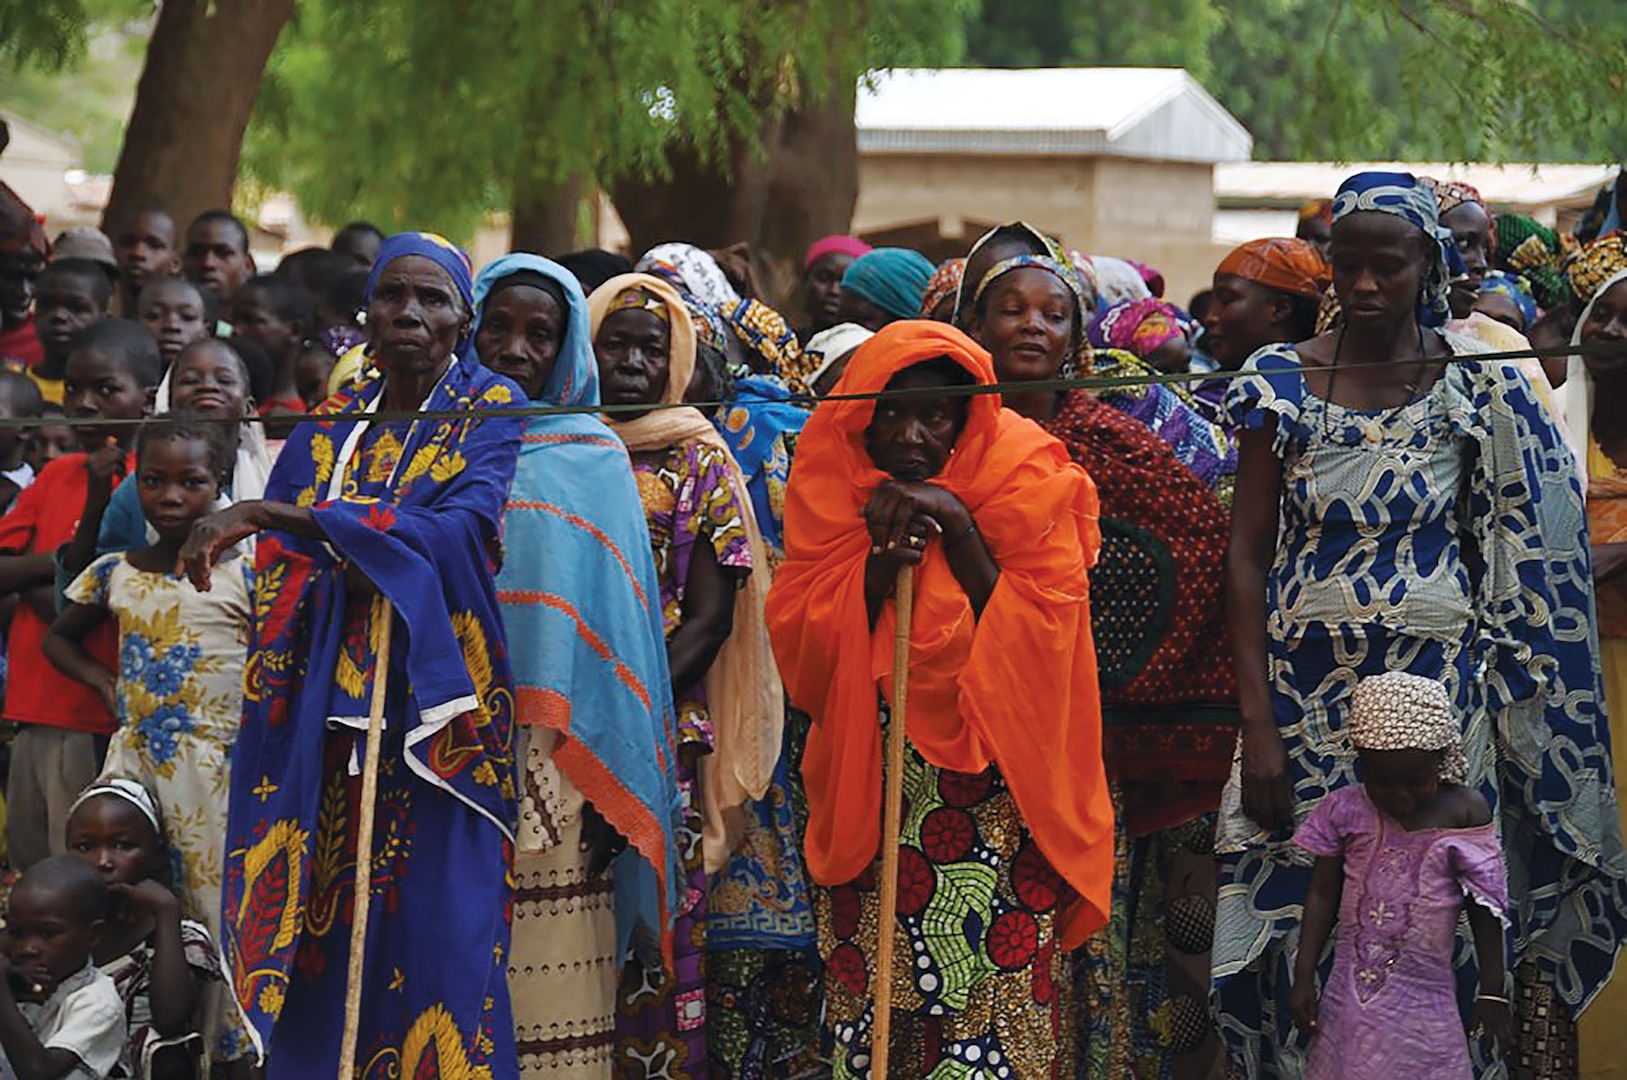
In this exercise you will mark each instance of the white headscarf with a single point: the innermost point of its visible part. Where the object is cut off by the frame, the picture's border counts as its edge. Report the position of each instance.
(128, 790)
(702, 277)
(831, 344)
(1576, 396)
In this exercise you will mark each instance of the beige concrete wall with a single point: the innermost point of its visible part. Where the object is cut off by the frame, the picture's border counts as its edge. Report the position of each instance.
(1052, 193)
(1157, 212)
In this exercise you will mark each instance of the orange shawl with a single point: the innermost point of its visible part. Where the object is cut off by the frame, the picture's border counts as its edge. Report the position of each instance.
(1016, 688)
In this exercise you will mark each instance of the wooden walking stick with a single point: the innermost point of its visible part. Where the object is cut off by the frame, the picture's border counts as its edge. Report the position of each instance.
(892, 825)
(364, 840)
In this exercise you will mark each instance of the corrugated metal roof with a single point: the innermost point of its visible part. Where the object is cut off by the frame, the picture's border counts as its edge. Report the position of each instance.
(1159, 113)
(1289, 183)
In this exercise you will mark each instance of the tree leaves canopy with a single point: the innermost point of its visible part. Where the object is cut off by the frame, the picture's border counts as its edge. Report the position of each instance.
(433, 113)
(1455, 80)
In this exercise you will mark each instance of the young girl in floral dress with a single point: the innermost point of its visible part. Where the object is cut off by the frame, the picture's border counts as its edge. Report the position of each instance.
(178, 691)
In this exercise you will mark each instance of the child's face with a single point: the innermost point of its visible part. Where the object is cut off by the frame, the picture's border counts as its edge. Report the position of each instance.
(102, 387)
(173, 313)
(46, 936)
(116, 838)
(208, 380)
(63, 305)
(254, 318)
(48, 442)
(1401, 781)
(176, 486)
(311, 376)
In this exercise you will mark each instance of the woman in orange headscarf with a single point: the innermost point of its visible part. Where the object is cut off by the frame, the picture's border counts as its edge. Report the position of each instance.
(1006, 855)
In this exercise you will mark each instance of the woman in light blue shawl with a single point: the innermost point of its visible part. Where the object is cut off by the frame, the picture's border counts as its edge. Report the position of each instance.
(593, 697)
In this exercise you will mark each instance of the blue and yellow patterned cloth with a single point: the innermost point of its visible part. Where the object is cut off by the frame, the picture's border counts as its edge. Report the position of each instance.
(414, 507)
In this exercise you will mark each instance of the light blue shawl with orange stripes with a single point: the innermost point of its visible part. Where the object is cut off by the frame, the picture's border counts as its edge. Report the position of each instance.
(581, 604)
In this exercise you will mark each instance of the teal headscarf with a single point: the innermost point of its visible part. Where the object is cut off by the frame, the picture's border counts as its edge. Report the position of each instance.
(893, 279)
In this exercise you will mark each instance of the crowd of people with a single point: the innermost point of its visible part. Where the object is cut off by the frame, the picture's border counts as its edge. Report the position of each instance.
(1260, 689)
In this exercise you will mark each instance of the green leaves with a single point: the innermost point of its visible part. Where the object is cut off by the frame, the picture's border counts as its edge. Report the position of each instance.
(1376, 79)
(434, 113)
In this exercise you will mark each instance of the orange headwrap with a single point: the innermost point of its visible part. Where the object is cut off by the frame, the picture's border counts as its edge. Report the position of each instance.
(1016, 688)
(1292, 266)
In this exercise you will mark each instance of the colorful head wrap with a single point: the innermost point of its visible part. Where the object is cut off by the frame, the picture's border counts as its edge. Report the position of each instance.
(1090, 288)
(765, 332)
(1062, 271)
(680, 351)
(639, 298)
(20, 229)
(1317, 210)
(1516, 289)
(1117, 281)
(1295, 267)
(1451, 194)
(1043, 245)
(1398, 711)
(1537, 254)
(1153, 276)
(691, 270)
(575, 378)
(130, 791)
(1595, 264)
(437, 249)
(1404, 196)
(945, 285)
(829, 346)
(893, 279)
(835, 244)
(1139, 327)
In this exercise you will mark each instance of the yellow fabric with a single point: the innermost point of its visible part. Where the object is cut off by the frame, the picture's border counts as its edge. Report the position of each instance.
(1602, 1026)
(50, 389)
(347, 369)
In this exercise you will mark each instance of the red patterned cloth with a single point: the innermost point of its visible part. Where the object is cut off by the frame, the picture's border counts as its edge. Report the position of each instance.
(1168, 686)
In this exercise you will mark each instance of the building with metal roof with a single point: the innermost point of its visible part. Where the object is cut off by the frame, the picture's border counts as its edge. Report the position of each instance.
(1112, 160)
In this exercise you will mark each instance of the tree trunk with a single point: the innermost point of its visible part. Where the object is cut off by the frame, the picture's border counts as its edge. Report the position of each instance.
(546, 217)
(802, 185)
(197, 90)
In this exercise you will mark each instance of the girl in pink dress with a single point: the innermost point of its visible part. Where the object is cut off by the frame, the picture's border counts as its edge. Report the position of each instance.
(1397, 857)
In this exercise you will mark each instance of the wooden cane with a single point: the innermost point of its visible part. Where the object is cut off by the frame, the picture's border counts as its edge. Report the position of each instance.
(385, 613)
(893, 820)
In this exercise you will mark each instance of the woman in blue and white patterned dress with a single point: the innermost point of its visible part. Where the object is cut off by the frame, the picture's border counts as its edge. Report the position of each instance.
(1398, 509)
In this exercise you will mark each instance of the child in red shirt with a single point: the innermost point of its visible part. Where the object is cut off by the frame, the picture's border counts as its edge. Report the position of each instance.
(113, 370)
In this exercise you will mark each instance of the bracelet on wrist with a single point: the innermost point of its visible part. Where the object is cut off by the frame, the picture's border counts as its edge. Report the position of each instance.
(1493, 997)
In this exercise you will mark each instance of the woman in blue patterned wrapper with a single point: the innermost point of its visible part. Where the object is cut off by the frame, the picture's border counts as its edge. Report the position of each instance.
(1401, 511)
(358, 511)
